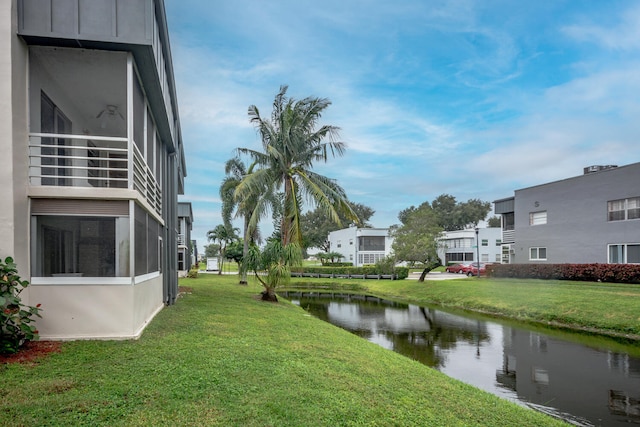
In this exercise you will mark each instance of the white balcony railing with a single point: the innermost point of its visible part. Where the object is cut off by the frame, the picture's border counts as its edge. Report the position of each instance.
(508, 236)
(100, 162)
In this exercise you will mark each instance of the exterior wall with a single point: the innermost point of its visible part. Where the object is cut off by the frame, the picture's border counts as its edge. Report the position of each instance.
(577, 229)
(88, 307)
(13, 127)
(490, 252)
(345, 242)
(97, 311)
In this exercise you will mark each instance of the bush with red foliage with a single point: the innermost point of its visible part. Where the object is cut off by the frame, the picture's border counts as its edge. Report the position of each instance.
(616, 273)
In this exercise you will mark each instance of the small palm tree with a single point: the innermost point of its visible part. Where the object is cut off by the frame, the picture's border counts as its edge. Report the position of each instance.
(291, 145)
(223, 235)
(272, 265)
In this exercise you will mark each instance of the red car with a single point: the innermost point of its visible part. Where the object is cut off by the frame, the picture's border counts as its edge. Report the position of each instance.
(473, 270)
(458, 268)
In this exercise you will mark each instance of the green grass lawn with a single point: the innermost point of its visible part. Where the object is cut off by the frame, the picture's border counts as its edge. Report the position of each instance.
(220, 357)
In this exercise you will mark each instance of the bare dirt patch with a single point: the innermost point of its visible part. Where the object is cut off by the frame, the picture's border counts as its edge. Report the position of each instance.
(32, 352)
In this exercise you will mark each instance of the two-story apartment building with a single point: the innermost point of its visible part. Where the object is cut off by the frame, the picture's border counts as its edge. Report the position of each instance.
(466, 245)
(590, 218)
(93, 162)
(361, 246)
(186, 248)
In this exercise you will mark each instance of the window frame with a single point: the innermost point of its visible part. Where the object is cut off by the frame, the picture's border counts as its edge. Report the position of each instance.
(537, 218)
(624, 253)
(80, 230)
(537, 256)
(625, 212)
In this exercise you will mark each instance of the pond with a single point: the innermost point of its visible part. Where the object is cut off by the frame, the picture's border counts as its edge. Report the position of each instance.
(582, 379)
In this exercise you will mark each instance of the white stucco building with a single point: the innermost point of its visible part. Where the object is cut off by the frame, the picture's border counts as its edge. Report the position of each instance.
(361, 246)
(464, 246)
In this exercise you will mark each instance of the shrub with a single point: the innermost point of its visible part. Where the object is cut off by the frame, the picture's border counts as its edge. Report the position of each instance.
(618, 273)
(15, 318)
(370, 270)
(193, 273)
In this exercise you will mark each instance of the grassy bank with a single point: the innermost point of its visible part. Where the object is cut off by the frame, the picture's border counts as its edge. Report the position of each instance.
(221, 357)
(606, 308)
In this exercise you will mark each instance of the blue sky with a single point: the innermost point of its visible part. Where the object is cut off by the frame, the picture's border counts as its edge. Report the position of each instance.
(471, 98)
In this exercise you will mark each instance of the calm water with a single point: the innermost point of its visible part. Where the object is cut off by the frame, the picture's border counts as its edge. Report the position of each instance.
(586, 381)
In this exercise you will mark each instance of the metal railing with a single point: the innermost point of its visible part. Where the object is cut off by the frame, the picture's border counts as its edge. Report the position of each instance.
(96, 161)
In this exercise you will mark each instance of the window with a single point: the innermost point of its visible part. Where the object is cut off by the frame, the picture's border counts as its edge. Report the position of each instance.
(369, 258)
(181, 266)
(498, 258)
(339, 243)
(498, 242)
(88, 246)
(508, 221)
(537, 254)
(485, 242)
(458, 257)
(371, 243)
(146, 242)
(538, 218)
(484, 257)
(624, 253)
(624, 209)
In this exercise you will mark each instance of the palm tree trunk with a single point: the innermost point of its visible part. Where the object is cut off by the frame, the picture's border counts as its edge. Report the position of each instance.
(245, 252)
(286, 215)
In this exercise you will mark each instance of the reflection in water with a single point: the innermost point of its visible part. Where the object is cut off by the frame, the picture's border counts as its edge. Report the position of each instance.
(583, 385)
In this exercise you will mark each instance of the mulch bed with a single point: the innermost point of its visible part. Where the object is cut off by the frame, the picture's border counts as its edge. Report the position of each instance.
(31, 352)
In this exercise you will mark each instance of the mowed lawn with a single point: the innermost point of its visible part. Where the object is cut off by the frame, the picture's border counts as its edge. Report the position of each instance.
(220, 357)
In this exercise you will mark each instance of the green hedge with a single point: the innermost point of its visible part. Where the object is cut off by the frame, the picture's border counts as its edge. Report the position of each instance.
(371, 270)
(617, 273)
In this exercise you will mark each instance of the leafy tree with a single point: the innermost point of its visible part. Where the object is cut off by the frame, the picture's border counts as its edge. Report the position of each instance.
(291, 145)
(211, 251)
(316, 225)
(451, 214)
(235, 252)
(415, 239)
(272, 265)
(223, 235)
(494, 221)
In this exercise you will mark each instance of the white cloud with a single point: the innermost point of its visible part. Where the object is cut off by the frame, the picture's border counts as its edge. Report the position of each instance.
(624, 35)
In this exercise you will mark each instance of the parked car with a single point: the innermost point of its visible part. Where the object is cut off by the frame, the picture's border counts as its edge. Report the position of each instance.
(461, 268)
(473, 270)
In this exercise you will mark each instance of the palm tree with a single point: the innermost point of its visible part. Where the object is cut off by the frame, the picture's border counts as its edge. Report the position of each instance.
(236, 170)
(244, 206)
(291, 145)
(272, 265)
(223, 235)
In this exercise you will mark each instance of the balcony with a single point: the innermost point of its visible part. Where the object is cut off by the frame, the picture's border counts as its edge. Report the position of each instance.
(99, 162)
(508, 236)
